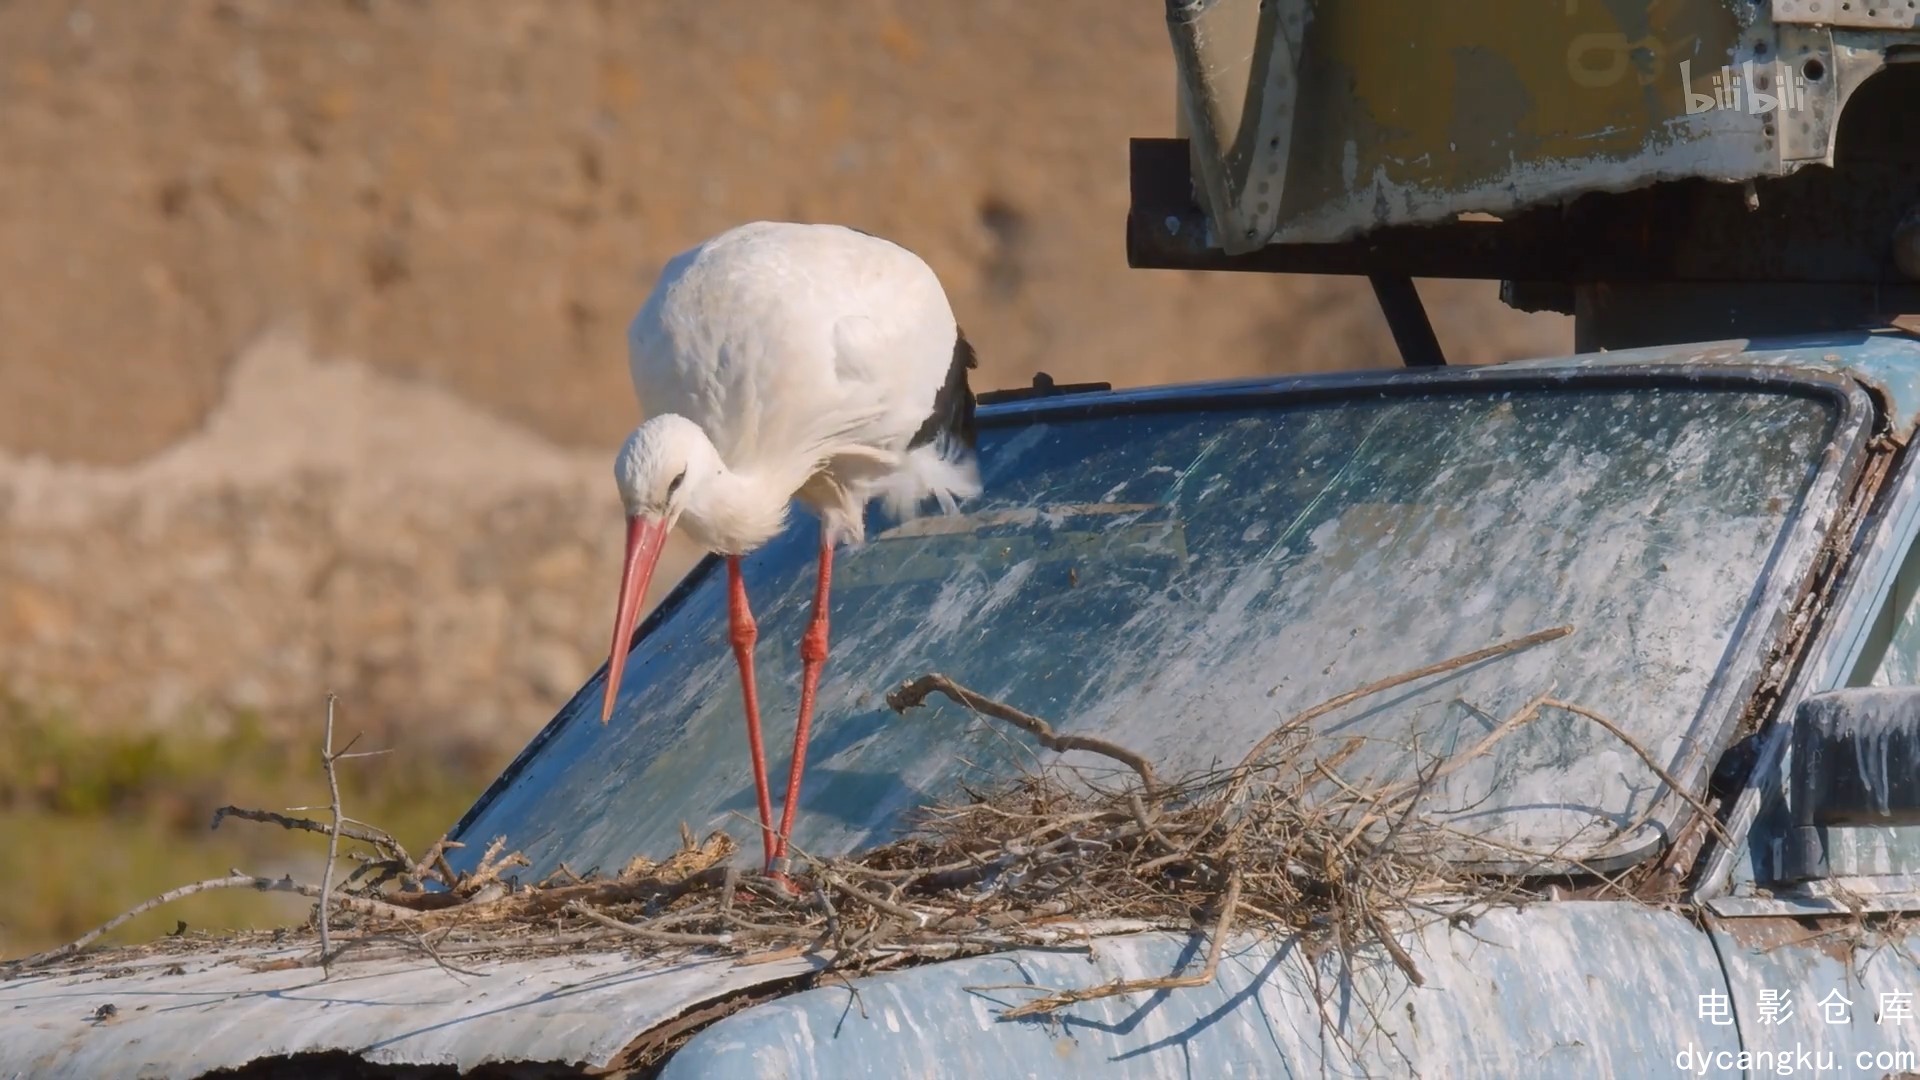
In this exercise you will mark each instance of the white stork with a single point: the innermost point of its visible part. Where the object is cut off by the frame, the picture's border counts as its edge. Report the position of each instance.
(782, 361)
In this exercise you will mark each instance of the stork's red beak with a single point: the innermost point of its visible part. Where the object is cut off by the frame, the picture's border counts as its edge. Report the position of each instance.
(645, 539)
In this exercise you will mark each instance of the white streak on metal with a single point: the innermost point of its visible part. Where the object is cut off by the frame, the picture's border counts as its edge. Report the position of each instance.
(576, 1009)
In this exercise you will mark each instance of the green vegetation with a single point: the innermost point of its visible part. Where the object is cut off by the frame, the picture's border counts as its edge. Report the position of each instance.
(94, 821)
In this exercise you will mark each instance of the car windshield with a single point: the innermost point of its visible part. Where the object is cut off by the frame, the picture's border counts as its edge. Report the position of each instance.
(1181, 581)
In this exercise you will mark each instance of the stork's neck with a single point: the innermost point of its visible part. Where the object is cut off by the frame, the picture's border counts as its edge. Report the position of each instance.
(736, 512)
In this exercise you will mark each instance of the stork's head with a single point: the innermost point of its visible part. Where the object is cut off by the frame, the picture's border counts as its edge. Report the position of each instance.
(661, 465)
(665, 464)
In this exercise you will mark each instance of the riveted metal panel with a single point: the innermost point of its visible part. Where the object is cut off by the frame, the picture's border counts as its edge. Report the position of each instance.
(1865, 14)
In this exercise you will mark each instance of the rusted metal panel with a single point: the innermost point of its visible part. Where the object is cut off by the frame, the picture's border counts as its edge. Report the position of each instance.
(1314, 120)
(180, 1018)
(1567, 989)
(1817, 227)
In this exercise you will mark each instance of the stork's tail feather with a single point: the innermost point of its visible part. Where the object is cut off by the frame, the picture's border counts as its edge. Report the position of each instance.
(944, 470)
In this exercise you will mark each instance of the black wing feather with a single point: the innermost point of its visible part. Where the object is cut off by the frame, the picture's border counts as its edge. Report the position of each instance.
(952, 414)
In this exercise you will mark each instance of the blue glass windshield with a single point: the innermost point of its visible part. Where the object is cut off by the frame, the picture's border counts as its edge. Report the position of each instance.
(1183, 581)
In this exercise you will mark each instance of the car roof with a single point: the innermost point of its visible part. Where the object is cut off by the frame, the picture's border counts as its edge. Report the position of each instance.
(1885, 361)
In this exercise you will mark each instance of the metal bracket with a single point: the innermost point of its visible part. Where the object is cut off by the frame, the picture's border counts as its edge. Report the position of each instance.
(1808, 90)
(1407, 320)
(1242, 118)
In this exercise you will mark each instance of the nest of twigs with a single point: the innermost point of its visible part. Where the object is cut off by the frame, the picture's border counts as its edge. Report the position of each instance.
(1280, 842)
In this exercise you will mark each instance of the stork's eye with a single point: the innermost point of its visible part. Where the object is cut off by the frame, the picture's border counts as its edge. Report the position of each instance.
(674, 484)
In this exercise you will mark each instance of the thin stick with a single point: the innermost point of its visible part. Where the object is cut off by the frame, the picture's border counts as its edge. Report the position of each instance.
(234, 880)
(435, 860)
(366, 835)
(489, 870)
(1673, 785)
(333, 835)
(1060, 999)
(1147, 827)
(1400, 958)
(880, 903)
(914, 692)
(665, 937)
(773, 955)
(416, 944)
(1524, 715)
(1245, 769)
(570, 939)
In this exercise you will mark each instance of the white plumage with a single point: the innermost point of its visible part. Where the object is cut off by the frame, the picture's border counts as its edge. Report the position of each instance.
(809, 356)
(781, 361)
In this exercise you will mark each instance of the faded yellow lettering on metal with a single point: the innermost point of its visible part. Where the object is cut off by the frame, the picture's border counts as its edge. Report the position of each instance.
(1452, 94)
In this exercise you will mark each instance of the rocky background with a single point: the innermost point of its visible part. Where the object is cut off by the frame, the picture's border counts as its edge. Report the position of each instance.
(312, 313)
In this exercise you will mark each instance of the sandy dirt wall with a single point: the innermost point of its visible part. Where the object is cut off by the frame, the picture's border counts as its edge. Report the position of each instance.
(312, 363)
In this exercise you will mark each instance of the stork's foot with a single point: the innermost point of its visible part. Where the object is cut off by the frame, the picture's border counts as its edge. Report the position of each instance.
(776, 876)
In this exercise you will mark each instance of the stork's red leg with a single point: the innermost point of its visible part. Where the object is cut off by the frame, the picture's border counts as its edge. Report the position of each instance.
(813, 656)
(742, 630)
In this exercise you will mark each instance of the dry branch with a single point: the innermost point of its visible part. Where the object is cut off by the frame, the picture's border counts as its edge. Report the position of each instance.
(916, 918)
(1520, 718)
(1401, 959)
(914, 692)
(665, 937)
(434, 863)
(1060, 999)
(234, 880)
(1659, 770)
(333, 833)
(366, 834)
(1260, 749)
(492, 865)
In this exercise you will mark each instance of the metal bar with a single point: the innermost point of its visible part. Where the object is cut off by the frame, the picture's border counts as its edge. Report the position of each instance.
(1407, 319)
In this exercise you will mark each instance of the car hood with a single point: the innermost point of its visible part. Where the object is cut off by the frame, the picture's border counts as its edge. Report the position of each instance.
(188, 1015)
(1574, 987)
